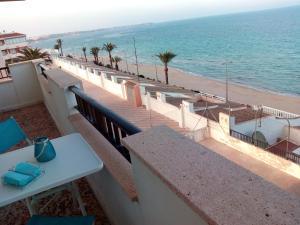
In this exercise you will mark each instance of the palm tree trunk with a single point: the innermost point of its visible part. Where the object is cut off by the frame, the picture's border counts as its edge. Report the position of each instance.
(110, 59)
(166, 74)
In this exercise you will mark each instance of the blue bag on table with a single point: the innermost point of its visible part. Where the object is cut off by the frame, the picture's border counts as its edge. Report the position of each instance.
(22, 174)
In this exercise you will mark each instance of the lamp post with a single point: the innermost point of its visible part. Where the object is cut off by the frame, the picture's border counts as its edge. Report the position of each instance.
(227, 78)
(136, 60)
(155, 67)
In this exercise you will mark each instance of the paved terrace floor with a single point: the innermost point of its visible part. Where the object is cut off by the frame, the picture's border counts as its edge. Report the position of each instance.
(36, 121)
(281, 179)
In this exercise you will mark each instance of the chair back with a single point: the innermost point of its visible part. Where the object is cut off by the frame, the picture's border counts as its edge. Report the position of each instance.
(10, 134)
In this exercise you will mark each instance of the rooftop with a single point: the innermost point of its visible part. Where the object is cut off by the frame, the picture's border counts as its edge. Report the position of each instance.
(11, 35)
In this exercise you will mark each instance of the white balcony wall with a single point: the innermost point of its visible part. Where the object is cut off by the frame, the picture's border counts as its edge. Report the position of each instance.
(294, 134)
(271, 128)
(164, 108)
(194, 121)
(159, 204)
(23, 89)
(218, 133)
(91, 75)
(59, 101)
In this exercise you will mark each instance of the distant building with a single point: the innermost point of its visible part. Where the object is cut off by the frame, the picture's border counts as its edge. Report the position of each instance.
(10, 46)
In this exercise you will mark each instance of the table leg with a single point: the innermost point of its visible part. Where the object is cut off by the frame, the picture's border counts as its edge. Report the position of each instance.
(30, 207)
(76, 194)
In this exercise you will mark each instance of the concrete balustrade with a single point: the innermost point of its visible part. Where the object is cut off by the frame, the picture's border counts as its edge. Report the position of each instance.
(22, 88)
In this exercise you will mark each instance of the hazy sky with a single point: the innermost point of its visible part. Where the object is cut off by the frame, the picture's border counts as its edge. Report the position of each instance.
(36, 17)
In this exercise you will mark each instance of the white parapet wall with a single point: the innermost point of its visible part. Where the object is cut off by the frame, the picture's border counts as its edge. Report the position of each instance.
(218, 133)
(23, 88)
(95, 76)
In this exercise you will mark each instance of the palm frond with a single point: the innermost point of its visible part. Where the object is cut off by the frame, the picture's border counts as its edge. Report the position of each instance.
(32, 53)
(166, 57)
(109, 47)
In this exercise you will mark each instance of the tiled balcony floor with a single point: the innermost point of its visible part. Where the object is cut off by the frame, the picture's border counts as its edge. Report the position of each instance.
(36, 121)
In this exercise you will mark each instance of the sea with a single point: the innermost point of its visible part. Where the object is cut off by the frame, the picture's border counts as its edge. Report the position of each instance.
(260, 49)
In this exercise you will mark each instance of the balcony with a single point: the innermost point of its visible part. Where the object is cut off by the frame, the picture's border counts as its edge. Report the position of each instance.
(153, 174)
(36, 121)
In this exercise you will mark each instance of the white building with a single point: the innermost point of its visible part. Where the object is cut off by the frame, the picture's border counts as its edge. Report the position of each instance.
(10, 45)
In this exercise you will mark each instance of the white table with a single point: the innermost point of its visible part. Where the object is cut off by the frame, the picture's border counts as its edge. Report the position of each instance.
(74, 159)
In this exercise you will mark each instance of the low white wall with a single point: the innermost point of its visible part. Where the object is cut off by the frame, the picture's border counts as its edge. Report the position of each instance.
(23, 89)
(159, 205)
(118, 207)
(164, 108)
(217, 133)
(91, 75)
(194, 121)
(294, 134)
(271, 128)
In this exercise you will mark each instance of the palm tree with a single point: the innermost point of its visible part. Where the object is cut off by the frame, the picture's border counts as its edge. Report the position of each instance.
(109, 47)
(116, 60)
(56, 46)
(32, 53)
(59, 44)
(165, 58)
(95, 52)
(84, 53)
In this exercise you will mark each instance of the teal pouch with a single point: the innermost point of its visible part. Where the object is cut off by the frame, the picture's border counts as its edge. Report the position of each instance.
(22, 174)
(16, 179)
(28, 169)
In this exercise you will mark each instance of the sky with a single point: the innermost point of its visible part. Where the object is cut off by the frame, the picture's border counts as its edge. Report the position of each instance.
(41, 17)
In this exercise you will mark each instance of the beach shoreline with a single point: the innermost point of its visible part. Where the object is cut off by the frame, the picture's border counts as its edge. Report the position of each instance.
(237, 92)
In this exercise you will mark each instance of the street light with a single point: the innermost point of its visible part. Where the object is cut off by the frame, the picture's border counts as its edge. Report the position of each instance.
(226, 66)
(154, 56)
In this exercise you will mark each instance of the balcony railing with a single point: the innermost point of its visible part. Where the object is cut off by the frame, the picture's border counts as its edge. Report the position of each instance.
(285, 154)
(249, 139)
(4, 73)
(109, 124)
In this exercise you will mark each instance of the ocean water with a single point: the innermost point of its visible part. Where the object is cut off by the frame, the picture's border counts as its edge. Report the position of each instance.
(263, 48)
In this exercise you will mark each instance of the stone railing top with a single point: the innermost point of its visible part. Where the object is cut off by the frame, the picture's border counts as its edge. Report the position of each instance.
(218, 190)
(62, 78)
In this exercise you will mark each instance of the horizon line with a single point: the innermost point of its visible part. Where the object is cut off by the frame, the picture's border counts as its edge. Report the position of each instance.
(165, 21)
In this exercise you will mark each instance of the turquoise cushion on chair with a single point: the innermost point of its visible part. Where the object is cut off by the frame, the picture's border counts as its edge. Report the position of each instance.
(10, 134)
(68, 220)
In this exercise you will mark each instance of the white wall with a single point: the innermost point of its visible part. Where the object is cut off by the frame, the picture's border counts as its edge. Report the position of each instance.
(294, 134)
(271, 128)
(160, 205)
(164, 108)
(217, 133)
(23, 89)
(100, 80)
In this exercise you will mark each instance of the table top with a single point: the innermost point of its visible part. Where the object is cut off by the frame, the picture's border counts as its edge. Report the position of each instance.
(74, 159)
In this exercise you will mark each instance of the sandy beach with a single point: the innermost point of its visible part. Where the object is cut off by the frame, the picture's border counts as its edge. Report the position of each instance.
(237, 92)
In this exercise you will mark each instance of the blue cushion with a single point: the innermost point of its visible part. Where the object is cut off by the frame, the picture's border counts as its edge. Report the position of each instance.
(10, 134)
(68, 220)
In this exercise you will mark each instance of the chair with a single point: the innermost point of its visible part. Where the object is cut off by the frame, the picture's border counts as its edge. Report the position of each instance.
(11, 134)
(67, 220)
